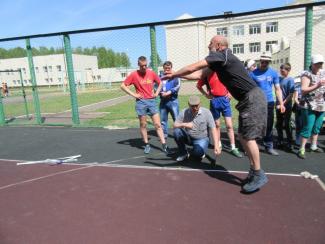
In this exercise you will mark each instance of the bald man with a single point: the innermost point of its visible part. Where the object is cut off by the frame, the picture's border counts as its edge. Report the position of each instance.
(251, 101)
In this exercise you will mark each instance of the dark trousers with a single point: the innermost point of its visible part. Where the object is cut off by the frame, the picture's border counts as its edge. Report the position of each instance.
(283, 122)
(268, 138)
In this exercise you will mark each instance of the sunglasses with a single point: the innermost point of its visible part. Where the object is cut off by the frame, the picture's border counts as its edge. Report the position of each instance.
(264, 62)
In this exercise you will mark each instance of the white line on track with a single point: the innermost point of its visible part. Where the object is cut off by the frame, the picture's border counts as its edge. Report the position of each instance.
(46, 176)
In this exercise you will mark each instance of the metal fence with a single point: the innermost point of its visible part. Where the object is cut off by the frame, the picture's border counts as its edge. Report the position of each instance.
(73, 78)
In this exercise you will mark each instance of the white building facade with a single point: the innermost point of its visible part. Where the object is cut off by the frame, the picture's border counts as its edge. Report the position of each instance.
(281, 33)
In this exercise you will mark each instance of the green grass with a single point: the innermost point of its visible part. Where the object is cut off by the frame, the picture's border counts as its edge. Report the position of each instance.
(61, 102)
(124, 115)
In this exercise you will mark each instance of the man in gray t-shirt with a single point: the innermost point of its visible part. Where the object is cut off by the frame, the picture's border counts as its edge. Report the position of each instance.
(191, 128)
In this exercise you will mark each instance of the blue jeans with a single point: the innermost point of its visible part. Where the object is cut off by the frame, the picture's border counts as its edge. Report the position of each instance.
(182, 139)
(171, 107)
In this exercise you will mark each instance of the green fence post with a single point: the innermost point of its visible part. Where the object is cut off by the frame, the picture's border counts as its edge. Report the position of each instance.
(34, 85)
(24, 93)
(154, 56)
(2, 113)
(72, 85)
(308, 36)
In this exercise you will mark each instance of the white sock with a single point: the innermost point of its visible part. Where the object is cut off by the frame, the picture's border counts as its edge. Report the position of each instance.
(313, 146)
(233, 146)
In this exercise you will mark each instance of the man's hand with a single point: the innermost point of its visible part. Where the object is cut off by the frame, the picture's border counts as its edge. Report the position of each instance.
(217, 150)
(228, 95)
(281, 107)
(137, 96)
(165, 94)
(188, 125)
(167, 76)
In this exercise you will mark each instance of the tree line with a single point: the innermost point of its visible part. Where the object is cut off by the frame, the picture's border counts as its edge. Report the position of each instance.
(106, 57)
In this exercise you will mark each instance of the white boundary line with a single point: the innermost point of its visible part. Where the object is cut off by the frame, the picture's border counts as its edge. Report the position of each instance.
(46, 176)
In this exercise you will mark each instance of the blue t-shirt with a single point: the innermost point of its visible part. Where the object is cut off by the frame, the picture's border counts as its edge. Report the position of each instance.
(265, 80)
(287, 86)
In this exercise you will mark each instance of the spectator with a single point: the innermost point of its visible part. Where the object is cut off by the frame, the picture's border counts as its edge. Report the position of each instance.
(143, 80)
(169, 98)
(313, 104)
(265, 78)
(191, 128)
(219, 98)
(283, 120)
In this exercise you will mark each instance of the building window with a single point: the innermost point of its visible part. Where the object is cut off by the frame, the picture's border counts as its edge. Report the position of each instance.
(255, 47)
(222, 31)
(271, 27)
(99, 77)
(47, 80)
(50, 68)
(45, 68)
(36, 69)
(287, 60)
(14, 81)
(59, 80)
(255, 29)
(238, 30)
(269, 44)
(30, 81)
(123, 74)
(24, 70)
(51, 80)
(94, 77)
(25, 81)
(58, 67)
(238, 48)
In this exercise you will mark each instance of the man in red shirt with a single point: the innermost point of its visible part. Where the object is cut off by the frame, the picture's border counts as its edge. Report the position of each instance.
(143, 81)
(219, 98)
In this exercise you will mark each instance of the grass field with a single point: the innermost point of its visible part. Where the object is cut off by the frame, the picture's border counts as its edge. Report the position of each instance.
(124, 115)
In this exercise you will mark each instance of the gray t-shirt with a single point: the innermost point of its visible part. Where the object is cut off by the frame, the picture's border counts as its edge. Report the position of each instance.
(201, 122)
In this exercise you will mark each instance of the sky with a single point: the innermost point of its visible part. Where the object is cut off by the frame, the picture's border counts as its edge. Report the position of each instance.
(27, 17)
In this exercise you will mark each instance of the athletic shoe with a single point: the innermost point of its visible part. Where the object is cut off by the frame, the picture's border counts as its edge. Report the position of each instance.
(317, 150)
(272, 152)
(236, 153)
(203, 156)
(301, 153)
(249, 176)
(166, 149)
(259, 179)
(147, 148)
(182, 157)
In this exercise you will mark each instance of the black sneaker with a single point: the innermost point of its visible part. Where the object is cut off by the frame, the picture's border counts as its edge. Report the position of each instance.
(258, 180)
(166, 149)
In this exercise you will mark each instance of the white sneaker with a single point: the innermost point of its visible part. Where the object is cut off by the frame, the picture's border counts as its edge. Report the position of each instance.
(182, 157)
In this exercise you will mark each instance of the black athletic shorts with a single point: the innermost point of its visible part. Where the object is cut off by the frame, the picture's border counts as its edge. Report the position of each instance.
(252, 118)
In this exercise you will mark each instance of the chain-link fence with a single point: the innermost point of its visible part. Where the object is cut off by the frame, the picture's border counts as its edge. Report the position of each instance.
(74, 78)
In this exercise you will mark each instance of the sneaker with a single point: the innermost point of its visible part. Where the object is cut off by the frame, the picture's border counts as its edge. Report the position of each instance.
(166, 149)
(258, 180)
(250, 175)
(182, 157)
(147, 148)
(203, 156)
(301, 154)
(272, 152)
(236, 153)
(317, 150)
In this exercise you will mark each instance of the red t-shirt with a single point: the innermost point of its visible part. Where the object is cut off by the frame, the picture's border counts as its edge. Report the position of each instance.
(144, 84)
(215, 87)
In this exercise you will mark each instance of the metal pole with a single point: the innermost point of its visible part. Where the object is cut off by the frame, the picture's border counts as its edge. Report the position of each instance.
(34, 85)
(2, 113)
(154, 56)
(72, 85)
(308, 36)
(24, 93)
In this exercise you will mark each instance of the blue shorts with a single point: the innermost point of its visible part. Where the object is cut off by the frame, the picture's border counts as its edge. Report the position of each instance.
(220, 105)
(146, 107)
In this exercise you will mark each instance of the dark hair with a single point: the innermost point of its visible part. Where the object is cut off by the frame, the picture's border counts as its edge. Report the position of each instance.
(142, 58)
(168, 63)
(286, 66)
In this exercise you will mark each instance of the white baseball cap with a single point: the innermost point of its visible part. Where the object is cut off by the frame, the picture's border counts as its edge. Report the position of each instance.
(266, 56)
(250, 63)
(317, 58)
